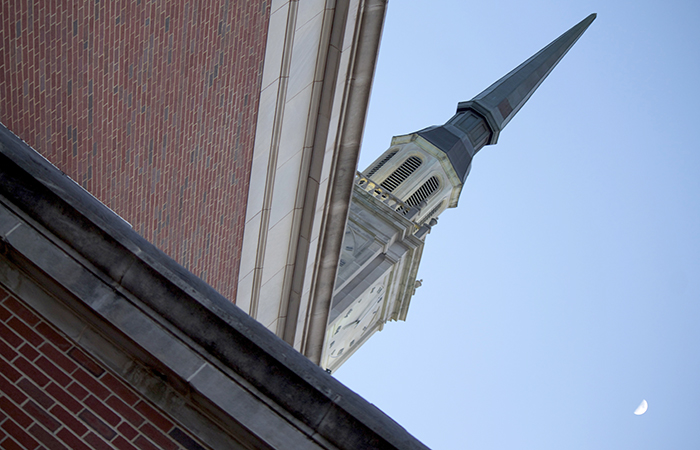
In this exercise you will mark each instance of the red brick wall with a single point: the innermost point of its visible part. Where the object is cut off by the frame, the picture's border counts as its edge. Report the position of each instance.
(149, 105)
(54, 394)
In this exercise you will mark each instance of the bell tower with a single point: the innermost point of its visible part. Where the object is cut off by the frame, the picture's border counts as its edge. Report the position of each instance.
(397, 199)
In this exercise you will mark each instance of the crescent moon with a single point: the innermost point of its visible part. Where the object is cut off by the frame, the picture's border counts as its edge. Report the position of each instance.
(642, 408)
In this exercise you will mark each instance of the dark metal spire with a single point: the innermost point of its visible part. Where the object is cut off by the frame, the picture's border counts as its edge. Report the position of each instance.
(479, 121)
(504, 98)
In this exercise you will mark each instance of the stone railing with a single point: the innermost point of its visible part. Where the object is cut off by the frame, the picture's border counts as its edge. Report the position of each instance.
(395, 203)
(380, 193)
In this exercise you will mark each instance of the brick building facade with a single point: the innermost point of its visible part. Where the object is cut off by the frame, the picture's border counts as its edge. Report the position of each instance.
(150, 106)
(56, 395)
(213, 130)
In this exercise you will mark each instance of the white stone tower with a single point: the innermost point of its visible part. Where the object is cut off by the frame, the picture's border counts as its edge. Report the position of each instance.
(397, 199)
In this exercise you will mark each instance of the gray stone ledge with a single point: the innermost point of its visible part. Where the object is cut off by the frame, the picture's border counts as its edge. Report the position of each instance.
(284, 381)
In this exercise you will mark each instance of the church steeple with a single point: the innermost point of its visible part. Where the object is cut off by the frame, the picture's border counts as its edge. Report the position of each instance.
(396, 202)
(479, 121)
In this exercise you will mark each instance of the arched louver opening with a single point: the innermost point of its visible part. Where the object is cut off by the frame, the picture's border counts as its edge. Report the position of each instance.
(380, 164)
(423, 192)
(399, 175)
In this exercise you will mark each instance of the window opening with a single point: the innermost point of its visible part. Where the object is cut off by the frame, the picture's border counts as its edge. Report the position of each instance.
(399, 175)
(380, 164)
(423, 192)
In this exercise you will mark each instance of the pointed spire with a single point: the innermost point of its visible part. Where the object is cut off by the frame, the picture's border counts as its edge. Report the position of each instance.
(504, 98)
(479, 121)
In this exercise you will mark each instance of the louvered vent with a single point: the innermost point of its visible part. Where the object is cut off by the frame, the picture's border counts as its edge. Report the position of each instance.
(380, 164)
(423, 192)
(399, 175)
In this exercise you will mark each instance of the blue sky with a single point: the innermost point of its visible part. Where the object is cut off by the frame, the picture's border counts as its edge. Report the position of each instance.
(565, 287)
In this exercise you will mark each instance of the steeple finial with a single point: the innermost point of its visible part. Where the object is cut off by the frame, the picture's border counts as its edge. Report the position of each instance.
(504, 98)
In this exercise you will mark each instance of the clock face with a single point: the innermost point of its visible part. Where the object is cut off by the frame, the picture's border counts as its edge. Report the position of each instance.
(356, 320)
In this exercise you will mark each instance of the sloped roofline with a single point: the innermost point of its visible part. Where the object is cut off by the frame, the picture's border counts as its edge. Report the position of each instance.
(194, 315)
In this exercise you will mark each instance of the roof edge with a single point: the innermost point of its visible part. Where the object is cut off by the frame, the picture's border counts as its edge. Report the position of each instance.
(38, 189)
